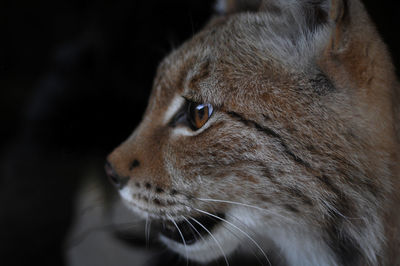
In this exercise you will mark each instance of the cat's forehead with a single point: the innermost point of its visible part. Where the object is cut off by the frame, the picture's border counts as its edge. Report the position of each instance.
(232, 52)
(254, 38)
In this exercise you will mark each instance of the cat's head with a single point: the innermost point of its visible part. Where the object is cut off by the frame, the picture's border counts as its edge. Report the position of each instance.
(265, 122)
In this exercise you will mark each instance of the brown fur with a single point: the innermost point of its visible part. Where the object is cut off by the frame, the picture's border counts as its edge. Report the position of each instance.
(315, 140)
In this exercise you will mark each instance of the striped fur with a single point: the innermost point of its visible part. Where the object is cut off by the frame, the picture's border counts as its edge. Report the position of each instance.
(304, 137)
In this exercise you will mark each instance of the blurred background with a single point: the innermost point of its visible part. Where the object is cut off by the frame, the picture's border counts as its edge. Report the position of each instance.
(74, 81)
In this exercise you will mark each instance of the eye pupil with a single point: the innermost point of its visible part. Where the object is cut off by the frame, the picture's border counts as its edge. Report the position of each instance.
(199, 114)
(200, 110)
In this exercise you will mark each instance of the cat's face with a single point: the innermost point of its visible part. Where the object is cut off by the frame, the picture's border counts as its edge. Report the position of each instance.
(249, 134)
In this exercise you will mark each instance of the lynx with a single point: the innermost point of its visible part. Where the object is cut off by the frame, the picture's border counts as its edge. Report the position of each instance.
(273, 130)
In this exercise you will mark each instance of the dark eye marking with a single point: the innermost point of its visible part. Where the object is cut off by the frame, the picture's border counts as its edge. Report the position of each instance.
(272, 134)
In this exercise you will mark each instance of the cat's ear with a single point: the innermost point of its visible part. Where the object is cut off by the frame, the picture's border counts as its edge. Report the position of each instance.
(235, 6)
(305, 15)
(311, 12)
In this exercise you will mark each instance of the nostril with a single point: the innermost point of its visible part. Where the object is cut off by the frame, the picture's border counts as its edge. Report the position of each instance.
(134, 164)
(114, 178)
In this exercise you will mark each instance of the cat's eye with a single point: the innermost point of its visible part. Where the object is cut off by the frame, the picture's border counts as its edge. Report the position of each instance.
(193, 115)
(198, 114)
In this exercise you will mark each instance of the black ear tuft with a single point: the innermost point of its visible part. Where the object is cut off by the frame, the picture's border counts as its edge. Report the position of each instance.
(316, 12)
(311, 13)
(236, 6)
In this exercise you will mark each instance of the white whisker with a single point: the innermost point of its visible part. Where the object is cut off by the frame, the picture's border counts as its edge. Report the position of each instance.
(194, 228)
(240, 230)
(248, 229)
(145, 232)
(246, 205)
(183, 239)
(148, 232)
(233, 233)
(216, 241)
(335, 210)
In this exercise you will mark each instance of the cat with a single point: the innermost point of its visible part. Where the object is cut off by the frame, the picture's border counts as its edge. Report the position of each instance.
(275, 128)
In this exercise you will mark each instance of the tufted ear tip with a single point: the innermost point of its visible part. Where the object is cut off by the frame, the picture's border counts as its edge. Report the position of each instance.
(307, 15)
(338, 10)
(224, 7)
(312, 12)
(220, 7)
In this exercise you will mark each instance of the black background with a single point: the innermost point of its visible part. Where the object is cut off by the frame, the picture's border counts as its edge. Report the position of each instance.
(74, 81)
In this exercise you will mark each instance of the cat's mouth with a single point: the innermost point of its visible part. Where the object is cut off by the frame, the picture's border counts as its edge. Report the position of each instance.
(190, 230)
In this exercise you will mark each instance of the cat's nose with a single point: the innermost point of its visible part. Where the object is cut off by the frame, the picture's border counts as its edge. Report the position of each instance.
(115, 179)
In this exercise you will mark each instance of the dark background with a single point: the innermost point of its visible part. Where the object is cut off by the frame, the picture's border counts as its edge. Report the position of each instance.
(74, 81)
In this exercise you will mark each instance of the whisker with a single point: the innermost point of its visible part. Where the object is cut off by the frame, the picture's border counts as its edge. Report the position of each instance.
(335, 210)
(183, 239)
(145, 231)
(245, 205)
(240, 230)
(194, 228)
(288, 219)
(235, 234)
(216, 241)
(148, 227)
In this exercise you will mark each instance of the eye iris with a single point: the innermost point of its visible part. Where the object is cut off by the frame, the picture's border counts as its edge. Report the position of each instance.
(199, 114)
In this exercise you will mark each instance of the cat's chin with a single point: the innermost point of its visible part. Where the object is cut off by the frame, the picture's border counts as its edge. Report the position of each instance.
(205, 248)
